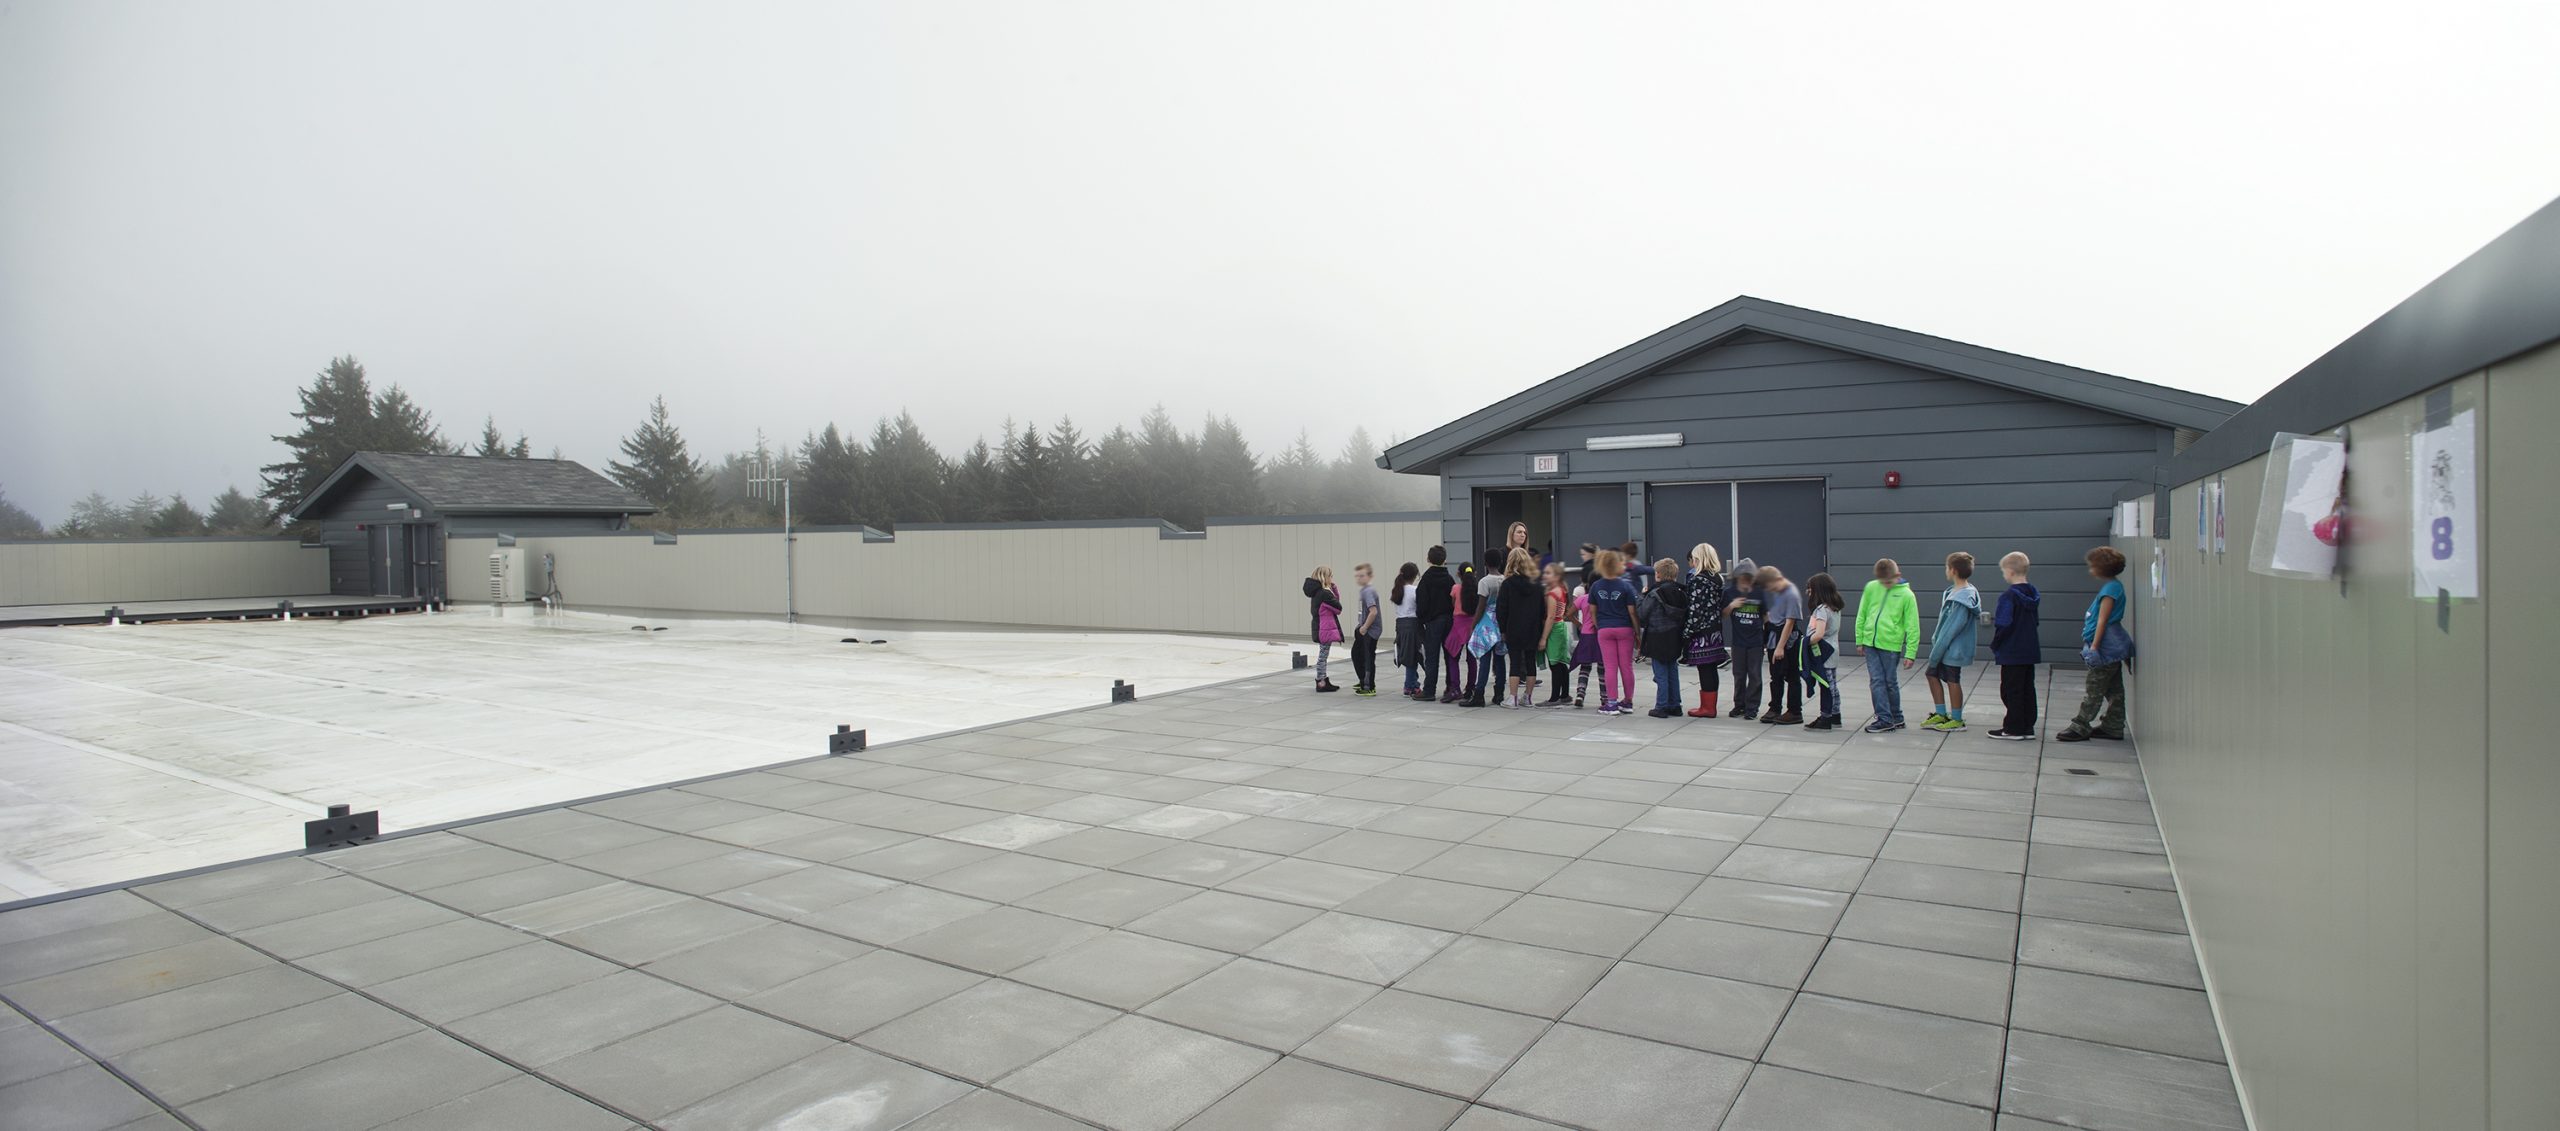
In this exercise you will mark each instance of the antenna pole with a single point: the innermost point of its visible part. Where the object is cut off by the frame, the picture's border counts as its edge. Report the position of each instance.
(761, 486)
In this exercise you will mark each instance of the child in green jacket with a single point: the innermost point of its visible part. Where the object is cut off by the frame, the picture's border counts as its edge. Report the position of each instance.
(1888, 629)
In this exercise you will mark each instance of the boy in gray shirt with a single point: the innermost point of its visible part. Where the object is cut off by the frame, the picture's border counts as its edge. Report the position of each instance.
(1783, 606)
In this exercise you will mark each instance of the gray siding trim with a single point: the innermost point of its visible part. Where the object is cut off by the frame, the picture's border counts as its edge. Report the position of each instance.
(1052, 524)
(191, 539)
(2136, 400)
(2501, 302)
(1307, 519)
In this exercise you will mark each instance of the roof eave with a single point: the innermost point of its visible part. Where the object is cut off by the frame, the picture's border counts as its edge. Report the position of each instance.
(2154, 404)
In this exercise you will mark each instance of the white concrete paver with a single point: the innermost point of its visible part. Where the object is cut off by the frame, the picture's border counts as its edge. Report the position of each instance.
(138, 750)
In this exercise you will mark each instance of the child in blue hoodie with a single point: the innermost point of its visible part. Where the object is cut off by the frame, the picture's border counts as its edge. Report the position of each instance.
(1952, 648)
(2015, 649)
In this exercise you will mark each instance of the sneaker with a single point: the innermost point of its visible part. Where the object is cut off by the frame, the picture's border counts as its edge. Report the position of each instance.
(1577, 702)
(1365, 692)
(1505, 702)
(2006, 735)
(1935, 717)
(1897, 725)
(1825, 722)
(2074, 734)
(1879, 726)
(1738, 713)
(1659, 713)
(1949, 725)
(1608, 708)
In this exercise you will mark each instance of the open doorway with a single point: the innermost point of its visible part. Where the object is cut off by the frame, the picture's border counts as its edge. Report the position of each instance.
(1560, 519)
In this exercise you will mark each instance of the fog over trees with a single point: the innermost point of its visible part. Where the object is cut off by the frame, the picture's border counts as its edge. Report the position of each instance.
(1024, 471)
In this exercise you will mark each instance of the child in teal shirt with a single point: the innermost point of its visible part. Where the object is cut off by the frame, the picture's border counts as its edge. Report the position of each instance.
(2105, 646)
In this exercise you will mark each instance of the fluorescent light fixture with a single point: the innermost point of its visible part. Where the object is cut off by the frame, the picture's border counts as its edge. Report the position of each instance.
(1622, 443)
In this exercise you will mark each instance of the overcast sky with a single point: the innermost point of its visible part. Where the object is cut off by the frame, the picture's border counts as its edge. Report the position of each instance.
(1305, 216)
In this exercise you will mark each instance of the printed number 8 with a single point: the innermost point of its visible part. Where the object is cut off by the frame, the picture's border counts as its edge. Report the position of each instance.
(2444, 539)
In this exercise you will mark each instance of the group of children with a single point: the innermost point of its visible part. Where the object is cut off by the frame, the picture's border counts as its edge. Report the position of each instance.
(1493, 630)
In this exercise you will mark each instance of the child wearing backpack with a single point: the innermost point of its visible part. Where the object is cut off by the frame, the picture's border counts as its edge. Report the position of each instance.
(1820, 645)
(1951, 650)
(1586, 642)
(1324, 614)
(1664, 612)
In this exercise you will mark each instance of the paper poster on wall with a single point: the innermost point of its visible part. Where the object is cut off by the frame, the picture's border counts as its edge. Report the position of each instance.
(2128, 519)
(2159, 577)
(2219, 542)
(2201, 505)
(2444, 510)
(2300, 520)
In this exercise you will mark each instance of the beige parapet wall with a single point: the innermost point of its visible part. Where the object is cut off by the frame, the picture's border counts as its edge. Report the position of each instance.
(2359, 797)
(80, 571)
(1242, 577)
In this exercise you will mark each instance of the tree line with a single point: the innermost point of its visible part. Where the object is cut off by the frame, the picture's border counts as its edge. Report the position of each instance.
(891, 475)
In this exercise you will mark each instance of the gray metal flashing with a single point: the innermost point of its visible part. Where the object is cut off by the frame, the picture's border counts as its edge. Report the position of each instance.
(1321, 519)
(2137, 400)
(2501, 301)
(192, 539)
(1166, 528)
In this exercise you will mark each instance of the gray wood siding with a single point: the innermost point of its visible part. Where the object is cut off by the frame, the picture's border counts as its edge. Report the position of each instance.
(1984, 469)
(360, 499)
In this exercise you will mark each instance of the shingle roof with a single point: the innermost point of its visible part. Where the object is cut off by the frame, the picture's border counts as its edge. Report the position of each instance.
(481, 485)
(2138, 400)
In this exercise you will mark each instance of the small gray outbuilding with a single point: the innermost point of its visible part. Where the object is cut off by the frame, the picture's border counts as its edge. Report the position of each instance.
(1815, 442)
(385, 515)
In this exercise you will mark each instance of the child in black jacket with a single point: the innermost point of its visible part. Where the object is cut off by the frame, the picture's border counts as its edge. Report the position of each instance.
(1324, 617)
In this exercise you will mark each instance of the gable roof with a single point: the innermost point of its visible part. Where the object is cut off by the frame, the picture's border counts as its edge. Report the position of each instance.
(2138, 400)
(487, 485)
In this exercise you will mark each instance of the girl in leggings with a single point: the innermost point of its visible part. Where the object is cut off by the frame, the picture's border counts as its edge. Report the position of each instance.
(1613, 607)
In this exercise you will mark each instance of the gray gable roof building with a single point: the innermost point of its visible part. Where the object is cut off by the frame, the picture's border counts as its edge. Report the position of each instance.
(1743, 314)
(385, 516)
(1814, 443)
(484, 485)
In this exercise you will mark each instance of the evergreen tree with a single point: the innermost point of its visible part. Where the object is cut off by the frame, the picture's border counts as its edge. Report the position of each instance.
(139, 513)
(657, 467)
(1352, 485)
(341, 416)
(337, 418)
(176, 520)
(973, 486)
(1172, 461)
(830, 476)
(1119, 477)
(1294, 483)
(903, 475)
(1071, 472)
(493, 445)
(1230, 480)
(399, 425)
(96, 516)
(524, 449)
(1030, 477)
(15, 522)
(236, 513)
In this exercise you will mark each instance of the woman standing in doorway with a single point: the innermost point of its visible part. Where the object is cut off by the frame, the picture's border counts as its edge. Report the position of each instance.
(1706, 623)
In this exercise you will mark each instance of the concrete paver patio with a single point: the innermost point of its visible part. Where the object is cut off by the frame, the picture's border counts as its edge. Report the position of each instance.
(1243, 906)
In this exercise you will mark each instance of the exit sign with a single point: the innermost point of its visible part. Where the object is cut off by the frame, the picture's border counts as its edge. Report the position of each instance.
(1546, 465)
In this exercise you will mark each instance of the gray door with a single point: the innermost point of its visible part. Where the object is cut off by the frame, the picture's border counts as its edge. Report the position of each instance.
(1597, 515)
(1681, 515)
(392, 569)
(1782, 524)
(377, 560)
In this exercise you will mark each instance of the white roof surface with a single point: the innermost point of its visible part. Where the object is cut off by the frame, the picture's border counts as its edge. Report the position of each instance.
(139, 750)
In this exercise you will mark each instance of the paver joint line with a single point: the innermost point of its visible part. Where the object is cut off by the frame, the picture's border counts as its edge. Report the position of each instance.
(1160, 758)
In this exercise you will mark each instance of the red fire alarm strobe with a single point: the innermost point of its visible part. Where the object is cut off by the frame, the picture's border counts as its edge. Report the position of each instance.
(1893, 479)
